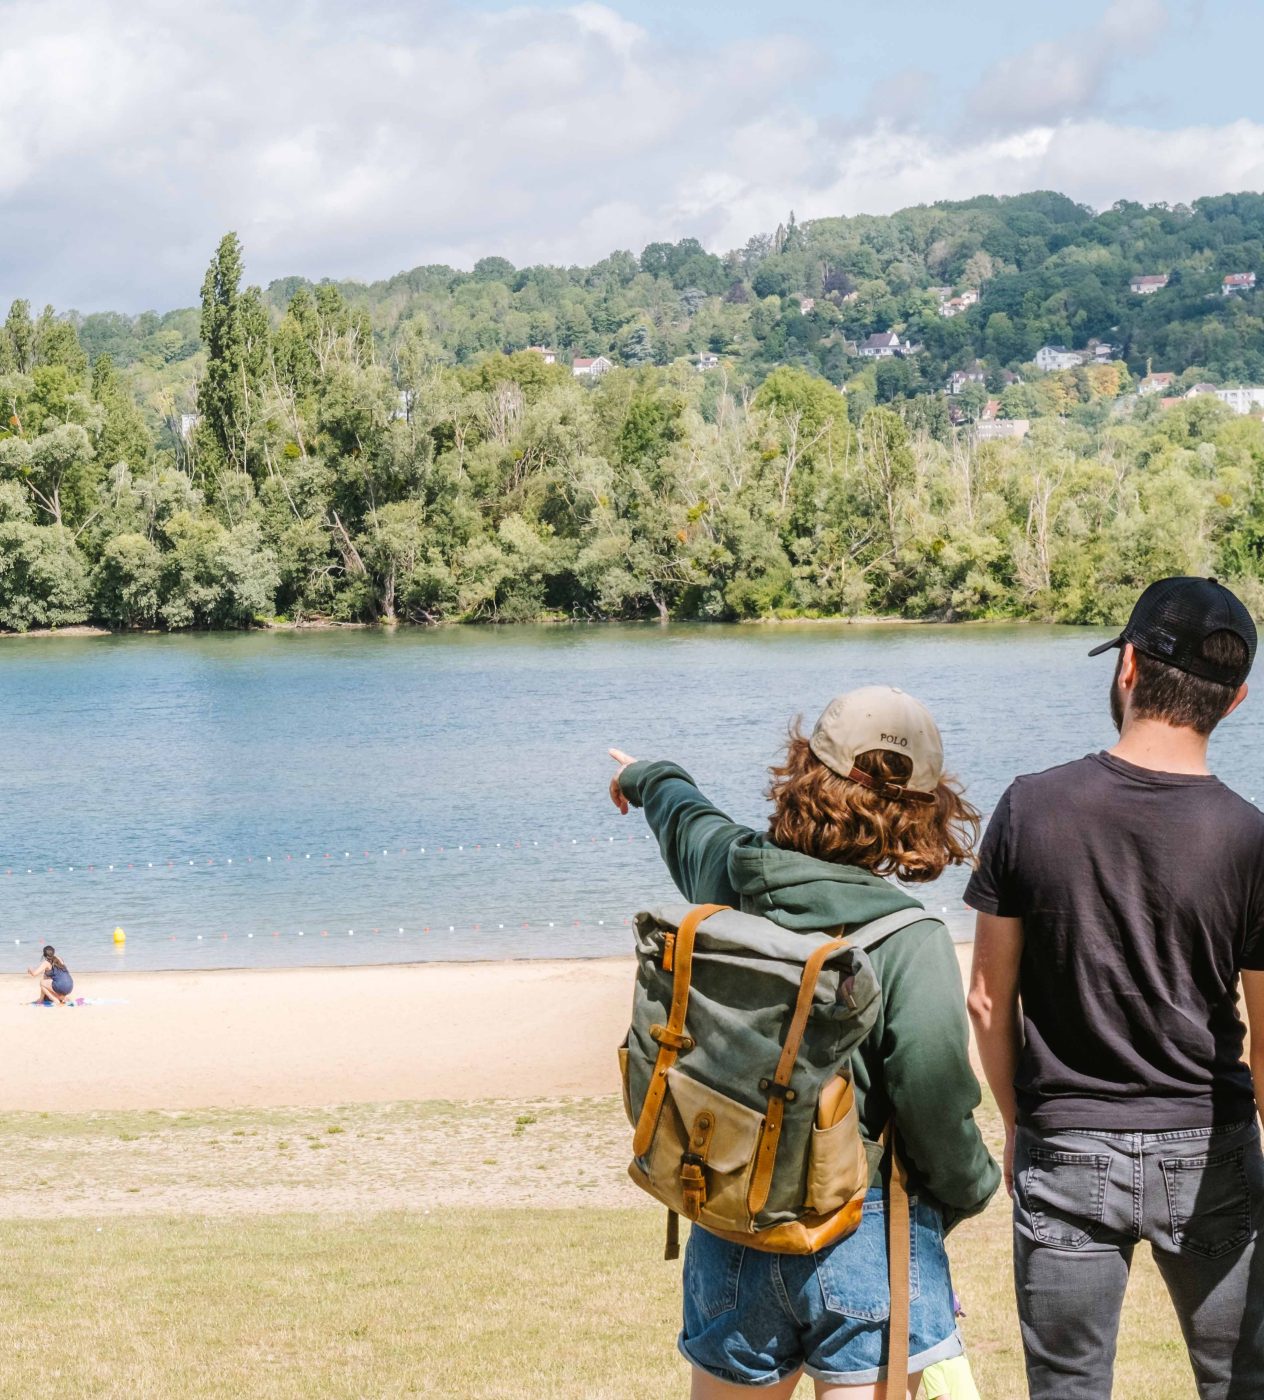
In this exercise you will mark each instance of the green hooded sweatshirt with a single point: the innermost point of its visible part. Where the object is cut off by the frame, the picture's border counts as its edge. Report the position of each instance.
(916, 1057)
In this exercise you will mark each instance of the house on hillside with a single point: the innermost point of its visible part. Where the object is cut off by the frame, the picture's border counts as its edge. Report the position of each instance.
(959, 378)
(999, 429)
(548, 356)
(1237, 282)
(807, 305)
(1149, 284)
(1054, 357)
(594, 368)
(1156, 383)
(881, 346)
(954, 306)
(1103, 351)
(706, 361)
(1242, 400)
(1200, 391)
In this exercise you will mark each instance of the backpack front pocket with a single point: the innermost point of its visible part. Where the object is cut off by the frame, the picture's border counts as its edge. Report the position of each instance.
(701, 1155)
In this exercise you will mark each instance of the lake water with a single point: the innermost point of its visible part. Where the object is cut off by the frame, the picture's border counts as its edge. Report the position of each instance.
(278, 798)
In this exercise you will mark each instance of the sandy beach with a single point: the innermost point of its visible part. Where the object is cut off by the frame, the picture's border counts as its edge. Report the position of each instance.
(309, 1037)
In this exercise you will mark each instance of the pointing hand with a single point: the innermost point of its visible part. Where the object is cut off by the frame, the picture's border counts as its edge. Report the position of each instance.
(616, 792)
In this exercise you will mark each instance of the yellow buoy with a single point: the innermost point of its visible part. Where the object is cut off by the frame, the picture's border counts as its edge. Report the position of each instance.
(120, 936)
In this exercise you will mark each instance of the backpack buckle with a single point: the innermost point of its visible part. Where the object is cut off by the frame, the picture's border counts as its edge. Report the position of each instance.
(777, 1091)
(662, 1035)
(693, 1184)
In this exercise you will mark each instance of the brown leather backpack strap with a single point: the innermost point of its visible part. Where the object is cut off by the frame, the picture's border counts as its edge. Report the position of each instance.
(671, 1250)
(671, 1038)
(778, 1087)
(898, 1249)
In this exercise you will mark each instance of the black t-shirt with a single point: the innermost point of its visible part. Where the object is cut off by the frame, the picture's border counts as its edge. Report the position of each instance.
(1142, 897)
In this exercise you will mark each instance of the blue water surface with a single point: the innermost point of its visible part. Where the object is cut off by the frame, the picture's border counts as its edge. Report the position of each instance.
(186, 762)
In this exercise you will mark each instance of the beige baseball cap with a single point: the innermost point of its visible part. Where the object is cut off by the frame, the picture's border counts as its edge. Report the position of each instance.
(880, 717)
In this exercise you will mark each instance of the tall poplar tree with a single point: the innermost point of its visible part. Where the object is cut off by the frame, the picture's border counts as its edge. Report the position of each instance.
(234, 332)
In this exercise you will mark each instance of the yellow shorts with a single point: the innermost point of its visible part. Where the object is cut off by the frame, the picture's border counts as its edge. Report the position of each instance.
(948, 1380)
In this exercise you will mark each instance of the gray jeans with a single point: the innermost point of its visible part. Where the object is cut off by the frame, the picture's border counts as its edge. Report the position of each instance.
(1084, 1199)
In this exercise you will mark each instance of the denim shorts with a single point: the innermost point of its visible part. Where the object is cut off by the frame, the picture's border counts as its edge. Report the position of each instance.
(753, 1318)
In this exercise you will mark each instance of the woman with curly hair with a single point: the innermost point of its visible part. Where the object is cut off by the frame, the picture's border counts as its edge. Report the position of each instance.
(861, 799)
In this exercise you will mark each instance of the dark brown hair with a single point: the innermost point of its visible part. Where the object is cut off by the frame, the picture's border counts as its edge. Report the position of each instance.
(1175, 697)
(832, 818)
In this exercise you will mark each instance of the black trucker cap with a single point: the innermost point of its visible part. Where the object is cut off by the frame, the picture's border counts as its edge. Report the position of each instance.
(1175, 616)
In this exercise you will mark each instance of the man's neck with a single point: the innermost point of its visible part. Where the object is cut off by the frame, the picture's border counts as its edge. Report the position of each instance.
(1149, 743)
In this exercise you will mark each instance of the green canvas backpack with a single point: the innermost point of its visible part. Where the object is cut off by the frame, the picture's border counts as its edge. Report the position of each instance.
(737, 1081)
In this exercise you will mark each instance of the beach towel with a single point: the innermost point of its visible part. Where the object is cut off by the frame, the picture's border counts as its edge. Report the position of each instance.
(87, 1001)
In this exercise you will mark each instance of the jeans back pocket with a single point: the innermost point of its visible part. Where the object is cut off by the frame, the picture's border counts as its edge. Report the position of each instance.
(712, 1275)
(854, 1274)
(1063, 1195)
(1209, 1199)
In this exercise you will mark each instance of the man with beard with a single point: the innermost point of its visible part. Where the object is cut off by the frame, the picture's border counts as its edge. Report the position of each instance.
(1120, 901)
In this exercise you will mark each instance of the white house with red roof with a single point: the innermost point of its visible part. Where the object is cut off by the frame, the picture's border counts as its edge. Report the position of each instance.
(1237, 282)
(954, 306)
(583, 367)
(1151, 282)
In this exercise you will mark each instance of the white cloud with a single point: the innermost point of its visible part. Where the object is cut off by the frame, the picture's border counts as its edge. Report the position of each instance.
(1068, 77)
(357, 142)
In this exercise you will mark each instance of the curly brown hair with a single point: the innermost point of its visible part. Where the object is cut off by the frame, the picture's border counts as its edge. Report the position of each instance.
(832, 818)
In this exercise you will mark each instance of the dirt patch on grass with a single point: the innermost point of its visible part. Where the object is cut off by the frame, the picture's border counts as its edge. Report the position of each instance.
(555, 1153)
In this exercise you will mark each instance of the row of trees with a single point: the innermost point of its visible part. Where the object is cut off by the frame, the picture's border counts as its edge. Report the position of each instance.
(328, 474)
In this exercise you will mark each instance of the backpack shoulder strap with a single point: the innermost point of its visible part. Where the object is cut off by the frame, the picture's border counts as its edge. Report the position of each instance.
(871, 934)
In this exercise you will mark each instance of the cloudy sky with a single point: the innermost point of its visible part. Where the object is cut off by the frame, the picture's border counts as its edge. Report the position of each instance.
(355, 140)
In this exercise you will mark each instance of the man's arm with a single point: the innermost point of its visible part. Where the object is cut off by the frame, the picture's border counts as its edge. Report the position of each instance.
(993, 1004)
(1253, 995)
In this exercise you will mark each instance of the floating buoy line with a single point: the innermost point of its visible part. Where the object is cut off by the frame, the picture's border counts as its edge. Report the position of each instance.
(396, 931)
(428, 852)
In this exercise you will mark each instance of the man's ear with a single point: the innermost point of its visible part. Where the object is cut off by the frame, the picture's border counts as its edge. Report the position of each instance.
(1128, 668)
(1238, 698)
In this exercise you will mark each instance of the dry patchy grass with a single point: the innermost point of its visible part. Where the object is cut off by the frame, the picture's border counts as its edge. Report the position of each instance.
(508, 1305)
(450, 1297)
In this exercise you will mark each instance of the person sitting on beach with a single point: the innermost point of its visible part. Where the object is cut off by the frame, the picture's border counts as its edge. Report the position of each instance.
(864, 798)
(56, 983)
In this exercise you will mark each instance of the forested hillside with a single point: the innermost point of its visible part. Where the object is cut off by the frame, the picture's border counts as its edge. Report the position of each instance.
(395, 450)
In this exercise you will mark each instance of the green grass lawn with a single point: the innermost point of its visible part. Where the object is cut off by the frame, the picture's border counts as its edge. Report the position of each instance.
(523, 1303)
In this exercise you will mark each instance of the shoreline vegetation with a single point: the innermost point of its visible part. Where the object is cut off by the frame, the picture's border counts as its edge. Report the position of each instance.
(679, 435)
(332, 625)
